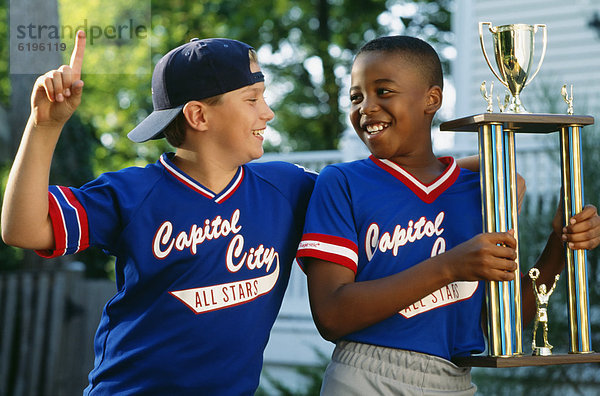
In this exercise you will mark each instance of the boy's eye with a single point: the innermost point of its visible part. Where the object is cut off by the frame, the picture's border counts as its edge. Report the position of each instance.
(383, 91)
(354, 98)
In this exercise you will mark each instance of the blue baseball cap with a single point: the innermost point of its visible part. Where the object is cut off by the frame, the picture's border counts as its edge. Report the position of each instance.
(196, 70)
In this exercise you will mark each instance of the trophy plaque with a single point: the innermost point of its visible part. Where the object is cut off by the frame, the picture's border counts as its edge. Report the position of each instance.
(496, 135)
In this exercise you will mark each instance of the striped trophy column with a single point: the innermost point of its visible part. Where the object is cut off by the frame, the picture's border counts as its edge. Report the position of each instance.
(577, 284)
(499, 207)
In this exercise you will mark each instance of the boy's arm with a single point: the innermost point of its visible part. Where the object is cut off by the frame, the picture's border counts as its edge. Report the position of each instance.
(583, 232)
(341, 306)
(472, 163)
(55, 96)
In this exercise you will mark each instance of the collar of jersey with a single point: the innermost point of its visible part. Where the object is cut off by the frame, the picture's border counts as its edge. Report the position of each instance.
(427, 192)
(181, 176)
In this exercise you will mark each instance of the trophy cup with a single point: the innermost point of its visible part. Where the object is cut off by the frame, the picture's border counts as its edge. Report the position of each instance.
(497, 161)
(513, 49)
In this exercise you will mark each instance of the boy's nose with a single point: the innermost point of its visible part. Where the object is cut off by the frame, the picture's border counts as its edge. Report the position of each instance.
(368, 107)
(268, 114)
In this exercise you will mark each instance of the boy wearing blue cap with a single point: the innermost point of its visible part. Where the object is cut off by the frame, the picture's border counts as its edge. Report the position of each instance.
(203, 240)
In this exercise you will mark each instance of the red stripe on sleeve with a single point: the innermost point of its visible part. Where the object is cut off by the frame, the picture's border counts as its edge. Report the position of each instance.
(84, 238)
(58, 228)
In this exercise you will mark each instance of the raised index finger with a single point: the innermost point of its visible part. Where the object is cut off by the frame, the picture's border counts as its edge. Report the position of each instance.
(77, 55)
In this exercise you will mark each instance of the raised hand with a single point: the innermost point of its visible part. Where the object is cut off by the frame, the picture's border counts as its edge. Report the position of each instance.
(57, 94)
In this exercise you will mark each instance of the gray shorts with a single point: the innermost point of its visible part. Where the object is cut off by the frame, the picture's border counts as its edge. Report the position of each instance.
(363, 369)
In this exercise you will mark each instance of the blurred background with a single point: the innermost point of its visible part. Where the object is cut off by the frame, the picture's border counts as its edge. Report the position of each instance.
(49, 309)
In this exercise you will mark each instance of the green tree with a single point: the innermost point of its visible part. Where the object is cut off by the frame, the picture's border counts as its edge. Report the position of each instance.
(309, 47)
(306, 48)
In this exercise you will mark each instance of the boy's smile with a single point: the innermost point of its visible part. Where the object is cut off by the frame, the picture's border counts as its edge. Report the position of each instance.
(373, 129)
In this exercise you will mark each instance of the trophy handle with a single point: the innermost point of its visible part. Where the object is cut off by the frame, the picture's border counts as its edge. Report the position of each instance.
(481, 24)
(544, 41)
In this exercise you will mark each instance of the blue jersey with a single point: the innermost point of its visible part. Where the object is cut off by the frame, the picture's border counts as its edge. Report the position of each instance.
(377, 219)
(200, 275)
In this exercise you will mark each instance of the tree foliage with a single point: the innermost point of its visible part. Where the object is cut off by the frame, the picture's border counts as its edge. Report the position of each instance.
(305, 47)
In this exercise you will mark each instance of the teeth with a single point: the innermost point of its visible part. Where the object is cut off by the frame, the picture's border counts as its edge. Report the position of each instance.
(258, 132)
(372, 128)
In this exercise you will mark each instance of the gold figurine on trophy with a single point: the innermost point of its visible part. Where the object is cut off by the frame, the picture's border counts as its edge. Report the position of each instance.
(567, 98)
(489, 97)
(503, 105)
(541, 301)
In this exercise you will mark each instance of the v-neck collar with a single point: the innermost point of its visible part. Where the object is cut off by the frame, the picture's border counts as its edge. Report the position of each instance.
(426, 192)
(182, 177)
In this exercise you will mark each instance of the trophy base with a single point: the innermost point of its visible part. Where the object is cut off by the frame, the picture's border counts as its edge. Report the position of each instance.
(542, 351)
(524, 360)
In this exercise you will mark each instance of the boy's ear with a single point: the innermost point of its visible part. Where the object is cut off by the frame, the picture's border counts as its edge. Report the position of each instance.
(434, 99)
(195, 114)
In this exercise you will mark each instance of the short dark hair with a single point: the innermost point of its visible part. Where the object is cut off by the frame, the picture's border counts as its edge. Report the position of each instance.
(417, 51)
(175, 131)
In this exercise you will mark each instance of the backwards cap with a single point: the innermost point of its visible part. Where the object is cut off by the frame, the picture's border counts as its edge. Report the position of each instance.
(193, 71)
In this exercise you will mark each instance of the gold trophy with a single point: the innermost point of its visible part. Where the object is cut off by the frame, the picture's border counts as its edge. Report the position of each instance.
(514, 48)
(542, 296)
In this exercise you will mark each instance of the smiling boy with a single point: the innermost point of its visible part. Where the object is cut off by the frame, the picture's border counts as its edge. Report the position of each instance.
(203, 241)
(395, 271)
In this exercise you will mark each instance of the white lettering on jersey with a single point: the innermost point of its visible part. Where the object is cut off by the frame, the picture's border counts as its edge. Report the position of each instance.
(401, 236)
(439, 247)
(211, 298)
(449, 294)
(164, 241)
(253, 258)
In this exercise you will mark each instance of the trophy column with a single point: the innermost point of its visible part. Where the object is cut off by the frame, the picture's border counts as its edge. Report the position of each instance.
(499, 207)
(572, 190)
(496, 133)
